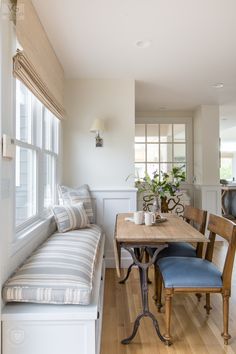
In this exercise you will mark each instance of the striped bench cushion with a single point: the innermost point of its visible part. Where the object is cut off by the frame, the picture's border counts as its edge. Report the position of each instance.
(61, 271)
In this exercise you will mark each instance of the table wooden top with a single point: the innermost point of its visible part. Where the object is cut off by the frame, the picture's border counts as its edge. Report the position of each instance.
(173, 230)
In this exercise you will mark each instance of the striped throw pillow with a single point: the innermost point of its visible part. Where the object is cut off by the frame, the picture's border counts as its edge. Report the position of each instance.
(70, 217)
(70, 196)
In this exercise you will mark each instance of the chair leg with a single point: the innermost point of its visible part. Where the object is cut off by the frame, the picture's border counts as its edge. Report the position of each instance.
(158, 290)
(226, 334)
(155, 283)
(208, 304)
(168, 308)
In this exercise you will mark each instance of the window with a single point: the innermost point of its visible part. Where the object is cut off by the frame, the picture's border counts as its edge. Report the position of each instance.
(36, 132)
(226, 167)
(159, 147)
(227, 160)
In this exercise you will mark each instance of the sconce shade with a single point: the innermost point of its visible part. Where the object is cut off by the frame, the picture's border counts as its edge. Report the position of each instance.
(98, 125)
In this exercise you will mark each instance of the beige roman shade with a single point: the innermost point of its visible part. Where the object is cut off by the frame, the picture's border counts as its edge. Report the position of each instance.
(37, 65)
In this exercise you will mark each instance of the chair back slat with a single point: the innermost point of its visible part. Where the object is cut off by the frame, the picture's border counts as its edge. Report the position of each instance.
(220, 226)
(225, 228)
(210, 246)
(228, 266)
(197, 218)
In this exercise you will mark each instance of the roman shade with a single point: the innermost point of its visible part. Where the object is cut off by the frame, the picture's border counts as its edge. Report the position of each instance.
(37, 65)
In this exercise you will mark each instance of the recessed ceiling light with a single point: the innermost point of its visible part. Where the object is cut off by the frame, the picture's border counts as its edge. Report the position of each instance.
(143, 43)
(218, 85)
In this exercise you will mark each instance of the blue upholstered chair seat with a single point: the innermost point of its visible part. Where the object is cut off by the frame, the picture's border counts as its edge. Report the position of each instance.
(186, 272)
(176, 249)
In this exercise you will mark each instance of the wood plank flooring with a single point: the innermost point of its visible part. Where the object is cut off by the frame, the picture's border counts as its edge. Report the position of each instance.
(193, 331)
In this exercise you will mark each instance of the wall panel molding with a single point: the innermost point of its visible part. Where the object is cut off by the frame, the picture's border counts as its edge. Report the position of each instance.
(107, 203)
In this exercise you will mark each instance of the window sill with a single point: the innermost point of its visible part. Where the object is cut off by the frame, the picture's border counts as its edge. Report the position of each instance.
(31, 233)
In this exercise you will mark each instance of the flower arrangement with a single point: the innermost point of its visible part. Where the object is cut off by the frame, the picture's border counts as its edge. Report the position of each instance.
(161, 185)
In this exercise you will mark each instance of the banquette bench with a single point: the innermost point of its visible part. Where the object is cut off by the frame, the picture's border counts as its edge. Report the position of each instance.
(55, 299)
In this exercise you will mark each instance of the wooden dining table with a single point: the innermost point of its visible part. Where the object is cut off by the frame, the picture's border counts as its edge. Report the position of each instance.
(137, 239)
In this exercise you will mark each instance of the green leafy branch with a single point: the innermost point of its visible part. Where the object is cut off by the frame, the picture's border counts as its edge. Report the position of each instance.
(162, 183)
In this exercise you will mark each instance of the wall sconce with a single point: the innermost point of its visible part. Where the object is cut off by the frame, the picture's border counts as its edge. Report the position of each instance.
(98, 126)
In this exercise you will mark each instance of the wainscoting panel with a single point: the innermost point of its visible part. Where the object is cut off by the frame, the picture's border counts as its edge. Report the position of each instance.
(107, 203)
(208, 198)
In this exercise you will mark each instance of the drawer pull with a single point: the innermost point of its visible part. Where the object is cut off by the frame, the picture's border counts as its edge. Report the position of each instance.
(98, 315)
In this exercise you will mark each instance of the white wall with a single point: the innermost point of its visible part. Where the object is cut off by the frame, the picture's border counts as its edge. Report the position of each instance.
(234, 166)
(211, 130)
(197, 146)
(206, 145)
(206, 159)
(114, 101)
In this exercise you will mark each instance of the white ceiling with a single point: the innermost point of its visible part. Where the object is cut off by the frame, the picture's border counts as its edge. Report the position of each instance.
(193, 46)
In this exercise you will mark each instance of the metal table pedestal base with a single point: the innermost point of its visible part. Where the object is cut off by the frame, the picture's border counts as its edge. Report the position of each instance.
(143, 274)
(140, 257)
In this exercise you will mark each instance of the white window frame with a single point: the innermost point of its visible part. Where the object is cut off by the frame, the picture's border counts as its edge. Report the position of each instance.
(28, 226)
(35, 217)
(142, 119)
(52, 154)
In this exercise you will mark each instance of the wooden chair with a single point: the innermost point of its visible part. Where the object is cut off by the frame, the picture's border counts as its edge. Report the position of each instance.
(197, 218)
(191, 275)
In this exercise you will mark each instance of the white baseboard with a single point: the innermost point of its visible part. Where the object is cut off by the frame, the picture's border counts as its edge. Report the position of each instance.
(125, 262)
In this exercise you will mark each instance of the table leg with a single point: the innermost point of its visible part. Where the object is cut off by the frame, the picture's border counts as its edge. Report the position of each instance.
(133, 264)
(223, 208)
(127, 274)
(146, 261)
(139, 254)
(143, 274)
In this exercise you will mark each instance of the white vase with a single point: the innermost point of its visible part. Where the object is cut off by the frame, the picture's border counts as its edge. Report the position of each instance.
(156, 204)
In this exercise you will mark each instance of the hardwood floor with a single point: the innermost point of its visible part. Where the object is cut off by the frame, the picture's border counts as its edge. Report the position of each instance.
(193, 331)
